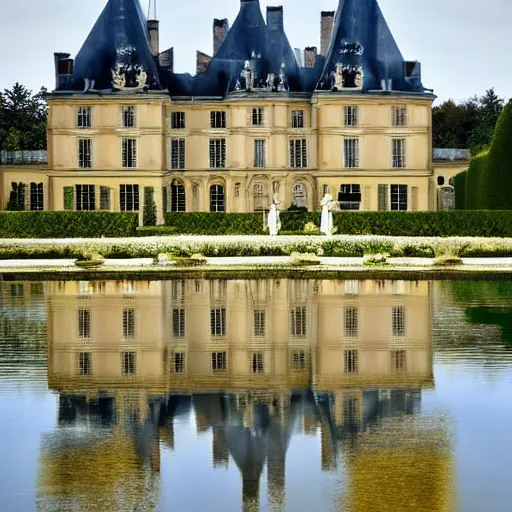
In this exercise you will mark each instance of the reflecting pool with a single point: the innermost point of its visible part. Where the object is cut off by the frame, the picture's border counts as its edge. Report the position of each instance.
(297, 395)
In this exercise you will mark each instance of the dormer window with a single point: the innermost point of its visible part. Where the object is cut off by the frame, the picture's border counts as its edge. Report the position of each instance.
(399, 116)
(218, 119)
(128, 117)
(84, 117)
(257, 116)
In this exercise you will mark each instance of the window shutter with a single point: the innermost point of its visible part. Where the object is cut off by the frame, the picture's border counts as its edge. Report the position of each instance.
(68, 198)
(383, 197)
(414, 199)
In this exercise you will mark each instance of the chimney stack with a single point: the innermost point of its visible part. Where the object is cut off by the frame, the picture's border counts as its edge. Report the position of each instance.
(202, 61)
(154, 37)
(166, 59)
(310, 54)
(326, 27)
(220, 31)
(275, 19)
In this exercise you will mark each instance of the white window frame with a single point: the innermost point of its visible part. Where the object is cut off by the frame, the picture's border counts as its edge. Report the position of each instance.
(179, 363)
(85, 363)
(218, 119)
(398, 321)
(218, 322)
(298, 119)
(351, 361)
(298, 360)
(399, 115)
(258, 116)
(298, 153)
(396, 198)
(399, 360)
(129, 116)
(90, 193)
(351, 322)
(177, 153)
(84, 118)
(351, 115)
(217, 153)
(129, 197)
(129, 363)
(84, 153)
(398, 153)
(298, 322)
(84, 323)
(179, 323)
(260, 323)
(178, 120)
(219, 361)
(351, 152)
(257, 363)
(260, 153)
(129, 153)
(129, 323)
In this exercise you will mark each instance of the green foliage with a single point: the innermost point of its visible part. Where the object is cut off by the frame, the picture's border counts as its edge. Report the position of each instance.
(69, 193)
(215, 223)
(149, 214)
(459, 182)
(476, 182)
(67, 224)
(157, 231)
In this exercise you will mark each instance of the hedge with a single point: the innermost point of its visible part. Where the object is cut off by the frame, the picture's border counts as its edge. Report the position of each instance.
(63, 224)
(426, 224)
(459, 182)
(476, 182)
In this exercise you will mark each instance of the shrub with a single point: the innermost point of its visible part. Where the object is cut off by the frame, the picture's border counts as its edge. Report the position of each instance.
(149, 214)
(198, 223)
(459, 182)
(476, 182)
(304, 260)
(157, 231)
(447, 260)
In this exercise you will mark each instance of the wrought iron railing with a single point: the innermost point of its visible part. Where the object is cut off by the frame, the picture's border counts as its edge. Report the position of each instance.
(451, 154)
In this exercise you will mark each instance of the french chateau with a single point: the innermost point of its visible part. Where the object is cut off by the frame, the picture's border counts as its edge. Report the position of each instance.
(259, 122)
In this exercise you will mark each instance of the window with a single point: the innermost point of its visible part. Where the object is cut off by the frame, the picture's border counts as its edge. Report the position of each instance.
(257, 362)
(217, 153)
(351, 322)
(84, 117)
(178, 120)
(351, 287)
(178, 198)
(399, 116)
(128, 323)
(84, 363)
(178, 323)
(298, 360)
(177, 153)
(84, 324)
(298, 322)
(351, 116)
(259, 153)
(351, 153)
(129, 198)
(349, 197)
(299, 195)
(398, 360)
(218, 119)
(398, 153)
(128, 117)
(260, 197)
(217, 199)
(325, 190)
(17, 290)
(398, 321)
(218, 322)
(105, 198)
(260, 324)
(85, 197)
(298, 153)
(178, 363)
(399, 197)
(129, 153)
(84, 153)
(219, 361)
(128, 363)
(297, 118)
(440, 181)
(178, 290)
(350, 361)
(36, 197)
(85, 289)
(276, 187)
(257, 116)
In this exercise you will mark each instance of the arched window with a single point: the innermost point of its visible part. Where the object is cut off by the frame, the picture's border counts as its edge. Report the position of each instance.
(440, 180)
(260, 197)
(300, 195)
(178, 199)
(217, 199)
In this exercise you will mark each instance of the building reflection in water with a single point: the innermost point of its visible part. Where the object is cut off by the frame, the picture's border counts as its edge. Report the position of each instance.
(254, 361)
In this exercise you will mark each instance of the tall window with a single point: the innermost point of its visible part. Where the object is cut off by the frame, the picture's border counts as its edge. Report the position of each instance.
(178, 323)
(257, 117)
(399, 116)
(84, 363)
(351, 322)
(84, 153)
(398, 197)
(129, 198)
(218, 119)
(398, 360)
(351, 116)
(217, 199)
(84, 117)
(351, 287)
(257, 362)
(349, 197)
(351, 153)
(218, 322)
(178, 120)
(84, 323)
(177, 153)
(128, 117)
(128, 363)
(178, 363)
(178, 198)
(129, 153)
(219, 361)
(85, 197)
(217, 153)
(298, 322)
(299, 196)
(260, 197)
(350, 361)
(260, 324)
(104, 198)
(36, 196)
(128, 323)
(259, 153)
(297, 118)
(398, 153)
(298, 360)
(298, 153)
(398, 320)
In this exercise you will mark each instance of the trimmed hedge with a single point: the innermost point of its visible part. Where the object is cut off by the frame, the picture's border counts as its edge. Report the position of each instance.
(459, 182)
(64, 224)
(157, 231)
(426, 224)
(476, 182)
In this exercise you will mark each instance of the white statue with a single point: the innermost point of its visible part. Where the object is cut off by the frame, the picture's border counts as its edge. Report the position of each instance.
(338, 77)
(118, 77)
(273, 220)
(358, 80)
(283, 82)
(326, 223)
(142, 77)
(248, 76)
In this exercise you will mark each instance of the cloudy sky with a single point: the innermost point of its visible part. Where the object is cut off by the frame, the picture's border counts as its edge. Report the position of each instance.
(464, 45)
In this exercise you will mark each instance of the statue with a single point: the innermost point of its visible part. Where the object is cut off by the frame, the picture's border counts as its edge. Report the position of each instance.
(271, 82)
(338, 77)
(359, 77)
(118, 78)
(326, 223)
(273, 220)
(142, 77)
(238, 86)
(283, 82)
(248, 76)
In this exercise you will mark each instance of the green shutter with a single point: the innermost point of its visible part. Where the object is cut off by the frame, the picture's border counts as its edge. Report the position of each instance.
(69, 198)
(383, 197)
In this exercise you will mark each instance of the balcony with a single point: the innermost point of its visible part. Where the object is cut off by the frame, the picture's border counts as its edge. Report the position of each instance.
(23, 157)
(451, 155)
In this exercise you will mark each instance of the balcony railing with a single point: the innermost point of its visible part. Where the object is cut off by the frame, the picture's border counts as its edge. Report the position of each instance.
(23, 157)
(451, 155)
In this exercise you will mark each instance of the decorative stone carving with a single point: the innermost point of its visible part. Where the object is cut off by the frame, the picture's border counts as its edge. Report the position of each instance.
(283, 81)
(337, 76)
(129, 77)
(271, 82)
(142, 77)
(359, 78)
(247, 76)
(118, 78)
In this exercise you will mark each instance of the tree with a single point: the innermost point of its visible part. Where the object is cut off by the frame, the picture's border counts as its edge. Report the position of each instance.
(490, 109)
(149, 213)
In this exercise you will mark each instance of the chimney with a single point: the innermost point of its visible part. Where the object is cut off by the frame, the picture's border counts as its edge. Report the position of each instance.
(220, 31)
(154, 37)
(166, 59)
(298, 56)
(310, 54)
(202, 61)
(326, 26)
(63, 68)
(275, 18)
